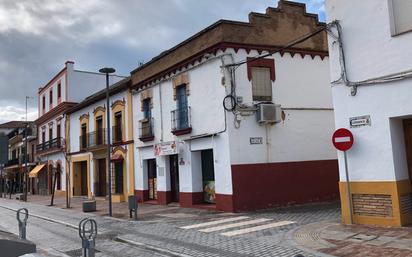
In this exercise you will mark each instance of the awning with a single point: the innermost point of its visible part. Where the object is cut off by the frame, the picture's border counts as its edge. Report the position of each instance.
(37, 169)
(117, 158)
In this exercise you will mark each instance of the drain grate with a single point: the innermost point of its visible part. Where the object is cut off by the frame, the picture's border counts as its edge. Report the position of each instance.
(77, 252)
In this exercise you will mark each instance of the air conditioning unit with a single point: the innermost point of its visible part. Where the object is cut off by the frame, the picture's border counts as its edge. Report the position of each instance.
(268, 113)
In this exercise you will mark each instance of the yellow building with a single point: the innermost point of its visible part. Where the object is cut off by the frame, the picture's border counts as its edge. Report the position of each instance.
(86, 129)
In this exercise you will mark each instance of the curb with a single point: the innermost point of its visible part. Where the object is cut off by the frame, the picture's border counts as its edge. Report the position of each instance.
(151, 247)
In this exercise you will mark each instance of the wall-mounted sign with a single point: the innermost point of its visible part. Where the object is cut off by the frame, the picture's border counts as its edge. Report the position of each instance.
(256, 140)
(166, 148)
(360, 121)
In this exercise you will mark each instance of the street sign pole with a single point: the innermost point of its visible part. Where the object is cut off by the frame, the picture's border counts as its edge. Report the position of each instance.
(348, 189)
(342, 139)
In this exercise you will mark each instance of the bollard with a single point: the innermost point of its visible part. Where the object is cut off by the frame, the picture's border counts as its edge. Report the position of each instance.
(88, 232)
(22, 222)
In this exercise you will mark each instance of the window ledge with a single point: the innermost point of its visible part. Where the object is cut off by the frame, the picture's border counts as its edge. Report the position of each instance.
(146, 138)
(180, 132)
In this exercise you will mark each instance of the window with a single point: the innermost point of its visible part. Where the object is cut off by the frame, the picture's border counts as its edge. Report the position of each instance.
(51, 98)
(43, 136)
(118, 126)
(83, 136)
(59, 91)
(182, 110)
(261, 84)
(99, 130)
(147, 114)
(44, 102)
(50, 133)
(58, 130)
(400, 16)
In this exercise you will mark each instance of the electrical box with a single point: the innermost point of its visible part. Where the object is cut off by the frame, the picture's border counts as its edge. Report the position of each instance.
(268, 113)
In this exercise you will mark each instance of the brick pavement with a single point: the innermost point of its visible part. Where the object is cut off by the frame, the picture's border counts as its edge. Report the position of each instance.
(160, 227)
(355, 240)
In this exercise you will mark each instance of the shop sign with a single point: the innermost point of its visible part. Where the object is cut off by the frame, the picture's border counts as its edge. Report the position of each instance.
(360, 121)
(166, 148)
(256, 140)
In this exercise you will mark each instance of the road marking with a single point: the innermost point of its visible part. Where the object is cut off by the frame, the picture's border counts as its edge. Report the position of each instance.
(215, 222)
(257, 228)
(233, 225)
(342, 139)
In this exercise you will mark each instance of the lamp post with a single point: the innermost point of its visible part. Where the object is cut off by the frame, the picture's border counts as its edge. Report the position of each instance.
(108, 71)
(26, 130)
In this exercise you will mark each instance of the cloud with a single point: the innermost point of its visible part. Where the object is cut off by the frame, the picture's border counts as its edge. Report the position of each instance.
(37, 37)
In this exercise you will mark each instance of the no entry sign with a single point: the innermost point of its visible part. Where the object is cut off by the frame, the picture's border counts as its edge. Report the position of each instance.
(342, 139)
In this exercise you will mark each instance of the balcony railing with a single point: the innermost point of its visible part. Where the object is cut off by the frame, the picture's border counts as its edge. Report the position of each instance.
(117, 135)
(12, 162)
(53, 144)
(23, 159)
(146, 132)
(94, 139)
(181, 121)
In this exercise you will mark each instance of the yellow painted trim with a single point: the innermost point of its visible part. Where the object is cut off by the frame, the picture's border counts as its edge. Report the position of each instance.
(130, 137)
(80, 159)
(393, 188)
(100, 111)
(123, 153)
(118, 198)
(118, 106)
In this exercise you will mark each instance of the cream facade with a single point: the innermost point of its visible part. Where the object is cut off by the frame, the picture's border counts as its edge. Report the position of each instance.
(61, 93)
(374, 88)
(87, 147)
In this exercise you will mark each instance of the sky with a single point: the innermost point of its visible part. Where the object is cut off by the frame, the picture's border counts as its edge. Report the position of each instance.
(38, 37)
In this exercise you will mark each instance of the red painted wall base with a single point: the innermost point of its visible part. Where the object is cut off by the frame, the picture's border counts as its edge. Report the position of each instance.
(141, 195)
(259, 186)
(189, 199)
(164, 198)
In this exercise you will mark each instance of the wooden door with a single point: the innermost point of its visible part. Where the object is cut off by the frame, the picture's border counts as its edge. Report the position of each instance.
(174, 177)
(407, 126)
(102, 177)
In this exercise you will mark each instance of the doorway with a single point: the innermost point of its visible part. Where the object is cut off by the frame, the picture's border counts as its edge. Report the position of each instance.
(208, 176)
(407, 127)
(101, 177)
(118, 176)
(174, 176)
(152, 179)
(80, 178)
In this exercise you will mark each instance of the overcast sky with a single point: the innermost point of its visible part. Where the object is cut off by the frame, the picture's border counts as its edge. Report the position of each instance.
(38, 37)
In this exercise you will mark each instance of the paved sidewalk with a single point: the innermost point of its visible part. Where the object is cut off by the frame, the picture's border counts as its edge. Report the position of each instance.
(192, 232)
(336, 239)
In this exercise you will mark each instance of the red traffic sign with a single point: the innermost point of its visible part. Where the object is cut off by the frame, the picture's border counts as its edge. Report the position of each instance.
(342, 139)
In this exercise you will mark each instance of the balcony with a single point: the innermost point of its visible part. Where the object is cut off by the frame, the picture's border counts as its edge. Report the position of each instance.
(117, 134)
(12, 162)
(29, 157)
(146, 132)
(95, 139)
(181, 123)
(54, 144)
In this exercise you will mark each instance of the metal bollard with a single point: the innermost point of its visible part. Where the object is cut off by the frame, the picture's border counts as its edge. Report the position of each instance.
(88, 232)
(22, 222)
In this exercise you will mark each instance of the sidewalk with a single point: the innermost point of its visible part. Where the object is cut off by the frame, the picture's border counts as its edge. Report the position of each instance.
(119, 210)
(354, 240)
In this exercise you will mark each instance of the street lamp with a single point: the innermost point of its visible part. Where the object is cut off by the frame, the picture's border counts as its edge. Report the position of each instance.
(108, 71)
(26, 130)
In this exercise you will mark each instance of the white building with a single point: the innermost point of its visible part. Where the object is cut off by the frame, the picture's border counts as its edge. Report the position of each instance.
(63, 91)
(192, 151)
(372, 97)
(87, 144)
